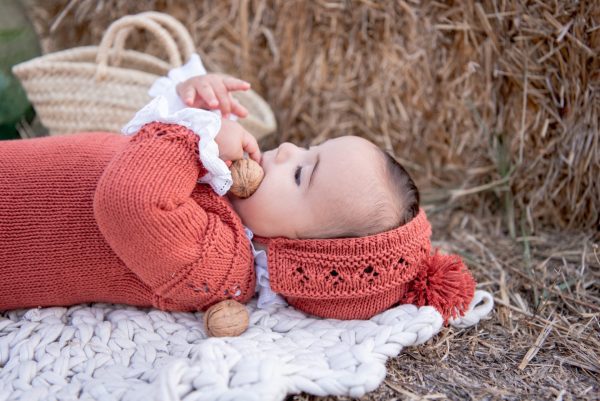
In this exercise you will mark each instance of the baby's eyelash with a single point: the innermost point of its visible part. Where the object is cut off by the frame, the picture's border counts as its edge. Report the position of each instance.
(297, 174)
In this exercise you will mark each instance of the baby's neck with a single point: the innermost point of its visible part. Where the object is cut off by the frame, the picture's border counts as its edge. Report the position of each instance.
(257, 245)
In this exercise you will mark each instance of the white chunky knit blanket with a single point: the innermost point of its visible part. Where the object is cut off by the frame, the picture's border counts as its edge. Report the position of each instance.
(116, 352)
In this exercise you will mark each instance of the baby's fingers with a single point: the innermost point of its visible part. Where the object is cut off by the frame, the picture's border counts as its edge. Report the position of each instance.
(237, 108)
(206, 93)
(251, 146)
(223, 97)
(234, 84)
(186, 92)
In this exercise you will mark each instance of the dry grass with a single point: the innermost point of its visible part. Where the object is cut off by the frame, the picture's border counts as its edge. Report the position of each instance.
(494, 104)
(494, 107)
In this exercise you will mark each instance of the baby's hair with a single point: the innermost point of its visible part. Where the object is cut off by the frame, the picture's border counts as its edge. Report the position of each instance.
(406, 191)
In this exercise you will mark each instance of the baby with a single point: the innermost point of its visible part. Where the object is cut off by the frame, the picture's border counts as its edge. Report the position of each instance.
(345, 187)
(96, 217)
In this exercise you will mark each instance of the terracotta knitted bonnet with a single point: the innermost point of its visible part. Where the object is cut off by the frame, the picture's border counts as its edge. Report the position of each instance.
(357, 278)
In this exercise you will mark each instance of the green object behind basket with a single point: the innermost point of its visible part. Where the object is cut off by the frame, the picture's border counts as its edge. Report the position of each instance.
(18, 42)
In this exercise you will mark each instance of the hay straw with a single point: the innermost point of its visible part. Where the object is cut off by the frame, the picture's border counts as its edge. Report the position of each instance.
(443, 86)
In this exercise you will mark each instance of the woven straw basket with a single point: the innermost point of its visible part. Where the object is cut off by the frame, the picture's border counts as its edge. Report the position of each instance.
(100, 88)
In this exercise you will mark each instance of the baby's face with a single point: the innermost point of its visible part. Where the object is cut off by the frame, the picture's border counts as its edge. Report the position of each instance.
(303, 190)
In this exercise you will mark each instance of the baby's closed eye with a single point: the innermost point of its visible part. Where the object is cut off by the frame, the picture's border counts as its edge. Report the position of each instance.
(297, 174)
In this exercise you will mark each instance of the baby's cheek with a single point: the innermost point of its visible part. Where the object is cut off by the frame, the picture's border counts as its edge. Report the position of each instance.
(246, 209)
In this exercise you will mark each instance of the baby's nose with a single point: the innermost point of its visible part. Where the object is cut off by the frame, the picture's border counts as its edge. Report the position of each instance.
(284, 151)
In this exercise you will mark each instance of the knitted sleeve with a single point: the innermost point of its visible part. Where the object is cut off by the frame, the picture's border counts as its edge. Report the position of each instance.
(143, 207)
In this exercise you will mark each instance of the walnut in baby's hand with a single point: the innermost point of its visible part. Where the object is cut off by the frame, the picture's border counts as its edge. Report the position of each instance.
(247, 176)
(233, 140)
(213, 92)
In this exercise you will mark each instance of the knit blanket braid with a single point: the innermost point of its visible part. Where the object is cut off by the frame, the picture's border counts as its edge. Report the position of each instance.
(98, 217)
(116, 352)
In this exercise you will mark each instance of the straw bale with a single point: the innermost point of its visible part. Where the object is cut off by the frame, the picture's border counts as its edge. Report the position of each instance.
(493, 106)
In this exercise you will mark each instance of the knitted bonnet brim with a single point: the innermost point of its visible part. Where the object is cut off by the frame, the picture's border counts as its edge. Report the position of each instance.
(356, 278)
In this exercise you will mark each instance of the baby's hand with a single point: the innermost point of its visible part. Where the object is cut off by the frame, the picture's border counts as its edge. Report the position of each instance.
(233, 140)
(213, 91)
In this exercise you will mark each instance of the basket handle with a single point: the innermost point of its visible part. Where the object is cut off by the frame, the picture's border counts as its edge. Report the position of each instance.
(127, 23)
(178, 31)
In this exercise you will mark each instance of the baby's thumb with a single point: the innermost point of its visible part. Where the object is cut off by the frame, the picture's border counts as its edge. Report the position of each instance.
(251, 146)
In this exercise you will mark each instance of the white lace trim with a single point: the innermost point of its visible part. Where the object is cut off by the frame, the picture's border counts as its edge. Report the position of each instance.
(167, 107)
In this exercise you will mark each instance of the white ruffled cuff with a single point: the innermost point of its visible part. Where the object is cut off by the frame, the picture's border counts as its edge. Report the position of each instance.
(167, 107)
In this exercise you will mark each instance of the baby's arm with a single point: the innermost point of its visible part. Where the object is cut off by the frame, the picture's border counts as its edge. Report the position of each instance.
(143, 206)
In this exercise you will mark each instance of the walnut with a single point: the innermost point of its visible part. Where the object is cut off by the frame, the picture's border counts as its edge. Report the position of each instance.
(247, 176)
(227, 318)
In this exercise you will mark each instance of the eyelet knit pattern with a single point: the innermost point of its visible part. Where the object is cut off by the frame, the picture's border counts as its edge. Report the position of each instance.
(99, 217)
(356, 278)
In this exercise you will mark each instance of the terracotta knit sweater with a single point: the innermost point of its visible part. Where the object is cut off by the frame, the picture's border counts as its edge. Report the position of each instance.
(99, 217)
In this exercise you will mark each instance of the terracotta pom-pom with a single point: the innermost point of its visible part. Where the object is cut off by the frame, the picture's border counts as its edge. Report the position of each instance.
(247, 176)
(444, 283)
(228, 318)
